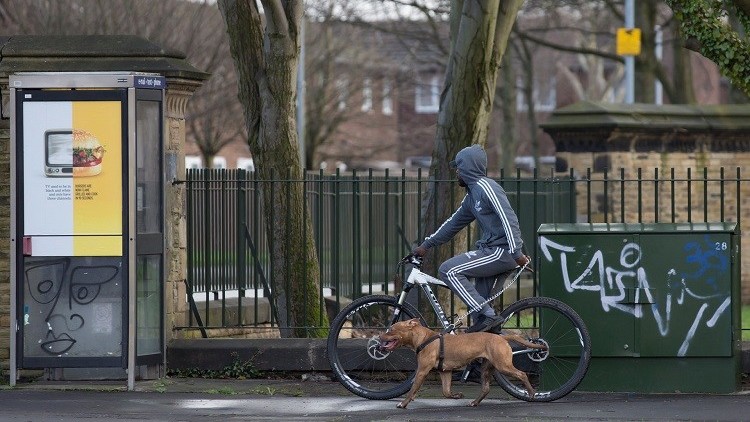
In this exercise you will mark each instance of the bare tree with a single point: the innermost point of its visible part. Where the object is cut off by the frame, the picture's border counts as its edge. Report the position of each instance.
(340, 62)
(187, 26)
(266, 53)
(214, 114)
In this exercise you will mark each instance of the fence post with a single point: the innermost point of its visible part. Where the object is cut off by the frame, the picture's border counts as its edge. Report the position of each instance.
(240, 252)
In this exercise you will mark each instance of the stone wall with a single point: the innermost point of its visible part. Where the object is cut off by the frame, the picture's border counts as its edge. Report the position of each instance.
(688, 200)
(686, 149)
(178, 93)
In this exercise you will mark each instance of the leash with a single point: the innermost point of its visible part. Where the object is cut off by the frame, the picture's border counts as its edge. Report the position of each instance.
(441, 355)
(459, 319)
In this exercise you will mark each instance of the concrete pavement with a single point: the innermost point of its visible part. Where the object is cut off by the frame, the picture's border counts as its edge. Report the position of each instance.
(318, 398)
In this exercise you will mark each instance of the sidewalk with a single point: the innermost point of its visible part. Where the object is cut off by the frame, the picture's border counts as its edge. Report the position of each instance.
(306, 385)
(317, 399)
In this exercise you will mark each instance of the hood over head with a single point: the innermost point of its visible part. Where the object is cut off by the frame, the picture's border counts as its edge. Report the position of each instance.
(471, 163)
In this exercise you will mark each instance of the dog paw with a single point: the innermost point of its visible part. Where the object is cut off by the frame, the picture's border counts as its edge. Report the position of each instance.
(401, 406)
(457, 395)
(473, 404)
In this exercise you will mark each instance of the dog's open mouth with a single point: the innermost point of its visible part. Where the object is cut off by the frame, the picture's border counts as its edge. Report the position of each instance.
(388, 344)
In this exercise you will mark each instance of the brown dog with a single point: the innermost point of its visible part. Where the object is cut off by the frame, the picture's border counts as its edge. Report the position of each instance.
(459, 351)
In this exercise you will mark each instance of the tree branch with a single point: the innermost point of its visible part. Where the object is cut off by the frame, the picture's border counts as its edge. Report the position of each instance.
(561, 47)
(276, 18)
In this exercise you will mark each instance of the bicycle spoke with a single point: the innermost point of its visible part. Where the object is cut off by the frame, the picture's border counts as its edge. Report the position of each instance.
(558, 370)
(354, 354)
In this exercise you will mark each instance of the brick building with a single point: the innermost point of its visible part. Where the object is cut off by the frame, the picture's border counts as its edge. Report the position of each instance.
(383, 91)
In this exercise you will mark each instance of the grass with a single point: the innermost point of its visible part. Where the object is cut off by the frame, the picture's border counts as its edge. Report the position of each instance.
(226, 391)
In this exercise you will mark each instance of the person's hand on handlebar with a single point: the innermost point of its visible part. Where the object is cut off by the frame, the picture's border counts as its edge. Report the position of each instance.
(419, 251)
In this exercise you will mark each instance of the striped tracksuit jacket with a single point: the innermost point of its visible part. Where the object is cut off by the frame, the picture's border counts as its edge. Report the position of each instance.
(500, 243)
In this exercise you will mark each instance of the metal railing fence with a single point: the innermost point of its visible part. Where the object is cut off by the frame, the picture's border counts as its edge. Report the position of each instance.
(364, 222)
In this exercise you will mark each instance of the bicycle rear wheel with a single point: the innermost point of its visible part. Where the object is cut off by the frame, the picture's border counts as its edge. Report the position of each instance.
(558, 370)
(353, 354)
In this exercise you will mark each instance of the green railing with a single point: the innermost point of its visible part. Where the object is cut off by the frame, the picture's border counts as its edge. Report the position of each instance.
(364, 222)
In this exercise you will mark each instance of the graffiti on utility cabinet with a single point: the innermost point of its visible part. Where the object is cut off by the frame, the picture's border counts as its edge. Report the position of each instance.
(690, 283)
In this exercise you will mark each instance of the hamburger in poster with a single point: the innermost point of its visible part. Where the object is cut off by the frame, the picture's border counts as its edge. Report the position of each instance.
(87, 154)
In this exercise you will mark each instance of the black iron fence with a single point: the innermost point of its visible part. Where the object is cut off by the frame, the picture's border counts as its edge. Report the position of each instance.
(364, 222)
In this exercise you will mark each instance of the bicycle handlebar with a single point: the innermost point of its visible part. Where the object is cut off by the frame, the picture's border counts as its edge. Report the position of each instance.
(414, 260)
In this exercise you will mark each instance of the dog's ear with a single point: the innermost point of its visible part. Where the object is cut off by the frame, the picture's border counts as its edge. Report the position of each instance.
(413, 322)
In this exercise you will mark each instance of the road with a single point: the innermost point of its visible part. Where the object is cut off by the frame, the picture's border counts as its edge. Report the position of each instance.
(328, 401)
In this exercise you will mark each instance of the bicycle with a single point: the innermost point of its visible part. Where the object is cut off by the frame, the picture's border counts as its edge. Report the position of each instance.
(364, 369)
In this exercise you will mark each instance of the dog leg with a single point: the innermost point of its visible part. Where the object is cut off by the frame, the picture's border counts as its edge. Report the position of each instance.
(515, 373)
(418, 380)
(486, 375)
(445, 378)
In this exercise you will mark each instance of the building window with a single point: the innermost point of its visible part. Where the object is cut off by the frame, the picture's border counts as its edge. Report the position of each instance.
(387, 100)
(193, 162)
(366, 95)
(342, 92)
(427, 94)
(246, 163)
(545, 95)
(219, 162)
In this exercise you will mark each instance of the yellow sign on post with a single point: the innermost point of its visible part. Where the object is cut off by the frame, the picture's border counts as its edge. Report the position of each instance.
(628, 41)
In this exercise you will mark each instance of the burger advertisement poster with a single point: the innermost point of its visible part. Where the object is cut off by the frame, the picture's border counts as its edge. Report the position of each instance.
(72, 177)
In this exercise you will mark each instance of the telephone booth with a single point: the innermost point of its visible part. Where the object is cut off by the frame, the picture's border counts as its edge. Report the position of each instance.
(87, 224)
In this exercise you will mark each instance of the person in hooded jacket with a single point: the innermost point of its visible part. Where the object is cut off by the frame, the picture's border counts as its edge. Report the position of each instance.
(498, 250)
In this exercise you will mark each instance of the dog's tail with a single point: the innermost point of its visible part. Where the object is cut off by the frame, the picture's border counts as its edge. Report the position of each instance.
(520, 340)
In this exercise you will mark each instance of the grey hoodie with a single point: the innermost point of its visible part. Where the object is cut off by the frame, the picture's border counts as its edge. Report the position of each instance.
(485, 202)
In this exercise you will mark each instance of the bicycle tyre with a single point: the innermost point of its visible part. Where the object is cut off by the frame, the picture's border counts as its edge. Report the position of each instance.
(354, 358)
(566, 362)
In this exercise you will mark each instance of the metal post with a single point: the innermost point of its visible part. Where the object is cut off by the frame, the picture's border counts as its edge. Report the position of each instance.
(131, 264)
(14, 245)
(658, 51)
(629, 60)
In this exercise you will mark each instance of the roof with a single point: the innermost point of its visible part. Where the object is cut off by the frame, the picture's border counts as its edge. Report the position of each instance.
(587, 115)
(94, 53)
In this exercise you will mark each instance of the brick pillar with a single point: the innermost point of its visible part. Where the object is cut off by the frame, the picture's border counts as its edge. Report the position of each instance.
(178, 93)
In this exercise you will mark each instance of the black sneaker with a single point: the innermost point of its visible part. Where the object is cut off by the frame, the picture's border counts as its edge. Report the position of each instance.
(472, 373)
(485, 323)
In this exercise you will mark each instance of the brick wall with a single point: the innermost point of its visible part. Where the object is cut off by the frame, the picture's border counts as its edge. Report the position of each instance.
(686, 201)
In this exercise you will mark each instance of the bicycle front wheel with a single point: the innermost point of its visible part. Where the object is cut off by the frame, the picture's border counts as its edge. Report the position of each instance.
(353, 353)
(559, 369)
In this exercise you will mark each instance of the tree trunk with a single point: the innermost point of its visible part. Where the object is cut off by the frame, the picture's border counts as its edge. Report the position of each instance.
(683, 75)
(268, 82)
(479, 37)
(646, 62)
(508, 139)
(528, 92)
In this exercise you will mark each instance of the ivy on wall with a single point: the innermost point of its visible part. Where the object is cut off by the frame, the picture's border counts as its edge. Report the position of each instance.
(706, 21)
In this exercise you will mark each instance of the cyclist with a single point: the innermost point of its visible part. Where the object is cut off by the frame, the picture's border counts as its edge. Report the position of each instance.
(498, 250)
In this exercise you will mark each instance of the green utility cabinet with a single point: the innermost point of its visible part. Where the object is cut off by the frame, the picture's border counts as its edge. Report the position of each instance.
(661, 302)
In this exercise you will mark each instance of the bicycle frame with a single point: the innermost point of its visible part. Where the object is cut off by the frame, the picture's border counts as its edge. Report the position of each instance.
(423, 280)
(419, 278)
